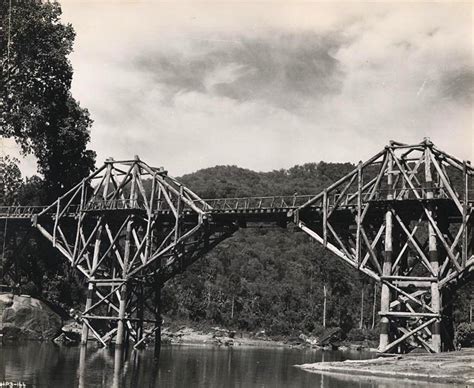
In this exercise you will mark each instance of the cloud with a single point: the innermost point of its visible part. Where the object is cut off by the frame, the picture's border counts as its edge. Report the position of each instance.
(458, 84)
(277, 68)
(269, 85)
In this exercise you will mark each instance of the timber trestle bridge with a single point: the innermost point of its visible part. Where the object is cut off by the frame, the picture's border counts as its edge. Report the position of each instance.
(403, 218)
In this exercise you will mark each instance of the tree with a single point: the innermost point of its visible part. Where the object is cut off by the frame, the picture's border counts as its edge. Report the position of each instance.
(10, 181)
(37, 108)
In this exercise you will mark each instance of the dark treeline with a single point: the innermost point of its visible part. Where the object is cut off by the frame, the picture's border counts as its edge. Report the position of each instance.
(269, 279)
(273, 279)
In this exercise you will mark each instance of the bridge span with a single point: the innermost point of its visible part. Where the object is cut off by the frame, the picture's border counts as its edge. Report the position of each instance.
(403, 217)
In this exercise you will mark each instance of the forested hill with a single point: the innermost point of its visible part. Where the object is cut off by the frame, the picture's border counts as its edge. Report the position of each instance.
(268, 279)
(232, 181)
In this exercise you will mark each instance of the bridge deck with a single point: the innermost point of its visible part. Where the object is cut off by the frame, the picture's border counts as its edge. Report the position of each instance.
(250, 208)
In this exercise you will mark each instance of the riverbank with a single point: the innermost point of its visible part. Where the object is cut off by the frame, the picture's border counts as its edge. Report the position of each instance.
(23, 318)
(452, 367)
(221, 337)
(189, 334)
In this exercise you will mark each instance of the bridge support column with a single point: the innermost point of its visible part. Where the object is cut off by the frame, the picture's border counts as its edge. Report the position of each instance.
(435, 294)
(385, 289)
(85, 328)
(90, 287)
(433, 256)
(120, 338)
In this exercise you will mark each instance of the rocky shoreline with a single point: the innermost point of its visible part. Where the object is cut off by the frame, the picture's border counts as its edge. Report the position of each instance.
(216, 336)
(25, 318)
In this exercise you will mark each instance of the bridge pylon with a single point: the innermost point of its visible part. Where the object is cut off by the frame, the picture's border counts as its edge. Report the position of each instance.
(128, 228)
(404, 218)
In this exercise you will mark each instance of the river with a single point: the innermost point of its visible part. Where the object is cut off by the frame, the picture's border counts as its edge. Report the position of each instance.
(48, 365)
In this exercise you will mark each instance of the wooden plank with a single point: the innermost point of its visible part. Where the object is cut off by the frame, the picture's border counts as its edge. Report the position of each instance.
(423, 257)
(336, 251)
(443, 241)
(373, 256)
(407, 335)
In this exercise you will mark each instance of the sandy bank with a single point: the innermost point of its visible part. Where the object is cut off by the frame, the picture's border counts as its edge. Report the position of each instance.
(452, 367)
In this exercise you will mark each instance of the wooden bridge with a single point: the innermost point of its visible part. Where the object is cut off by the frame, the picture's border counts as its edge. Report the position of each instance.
(404, 218)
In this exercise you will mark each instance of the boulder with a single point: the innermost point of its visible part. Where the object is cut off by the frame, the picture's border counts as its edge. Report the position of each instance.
(23, 317)
(72, 329)
(65, 340)
(71, 334)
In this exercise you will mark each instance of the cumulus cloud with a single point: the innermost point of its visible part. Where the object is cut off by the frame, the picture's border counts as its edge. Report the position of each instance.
(269, 85)
(278, 68)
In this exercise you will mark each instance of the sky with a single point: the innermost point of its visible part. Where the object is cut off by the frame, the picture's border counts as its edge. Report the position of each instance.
(267, 85)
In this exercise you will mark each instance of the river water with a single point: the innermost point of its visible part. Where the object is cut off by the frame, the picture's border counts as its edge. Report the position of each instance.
(48, 365)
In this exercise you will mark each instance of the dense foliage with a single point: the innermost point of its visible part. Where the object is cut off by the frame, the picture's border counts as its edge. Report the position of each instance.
(39, 112)
(37, 108)
(269, 278)
(465, 334)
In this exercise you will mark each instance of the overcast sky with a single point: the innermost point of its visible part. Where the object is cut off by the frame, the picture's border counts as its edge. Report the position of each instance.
(273, 84)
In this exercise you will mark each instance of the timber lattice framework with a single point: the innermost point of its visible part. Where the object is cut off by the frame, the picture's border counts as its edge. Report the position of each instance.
(404, 218)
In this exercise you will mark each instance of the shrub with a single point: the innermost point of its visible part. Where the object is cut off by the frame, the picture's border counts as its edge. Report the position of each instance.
(465, 334)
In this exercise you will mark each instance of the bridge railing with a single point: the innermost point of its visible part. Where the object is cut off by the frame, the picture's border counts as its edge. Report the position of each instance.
(113, 204)
(244, 203)
(275, 202)
(409, 193)
(129, 204)
(17, 211)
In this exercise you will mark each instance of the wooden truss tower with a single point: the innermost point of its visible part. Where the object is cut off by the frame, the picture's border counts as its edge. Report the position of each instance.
(128, 228)
(404, 218)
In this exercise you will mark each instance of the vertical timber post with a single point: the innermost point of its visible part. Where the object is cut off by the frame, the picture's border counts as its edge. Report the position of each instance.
(433, 254)
(120, 339)
(91, 285)
(123, 291)
(387, 263)
(85, 328)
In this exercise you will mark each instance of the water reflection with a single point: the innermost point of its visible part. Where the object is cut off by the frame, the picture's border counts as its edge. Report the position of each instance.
(47, 365)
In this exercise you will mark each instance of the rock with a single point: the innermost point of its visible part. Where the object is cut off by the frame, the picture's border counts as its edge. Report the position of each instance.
(303, 337)
(72, 329)
(218, 332)
(65, 340)
(71, 334)
(24, 317)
